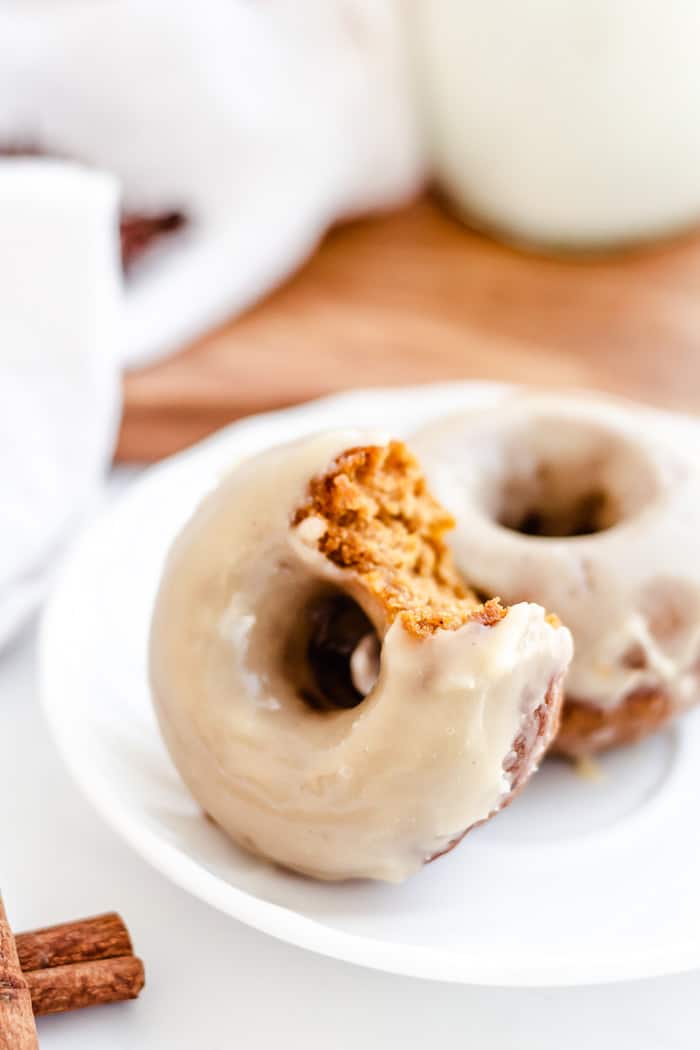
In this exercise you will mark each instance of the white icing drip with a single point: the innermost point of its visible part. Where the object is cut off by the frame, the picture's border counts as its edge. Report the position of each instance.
(364, 664)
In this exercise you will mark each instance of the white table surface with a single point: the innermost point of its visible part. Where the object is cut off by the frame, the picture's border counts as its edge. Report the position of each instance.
(213, 983)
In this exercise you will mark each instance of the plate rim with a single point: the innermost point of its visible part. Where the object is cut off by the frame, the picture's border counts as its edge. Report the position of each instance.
(286, 924)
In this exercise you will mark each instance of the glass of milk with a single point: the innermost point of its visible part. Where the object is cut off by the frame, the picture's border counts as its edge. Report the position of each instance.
(564, 124)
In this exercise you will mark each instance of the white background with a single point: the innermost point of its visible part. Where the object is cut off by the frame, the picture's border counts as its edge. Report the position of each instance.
(211, 982)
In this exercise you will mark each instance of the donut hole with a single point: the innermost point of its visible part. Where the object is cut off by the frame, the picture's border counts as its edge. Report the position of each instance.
(563, 478)
(551, 509)
(333, 654)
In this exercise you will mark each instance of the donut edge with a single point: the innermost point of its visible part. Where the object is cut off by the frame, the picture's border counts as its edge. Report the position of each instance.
(587, 729)
(547, 716)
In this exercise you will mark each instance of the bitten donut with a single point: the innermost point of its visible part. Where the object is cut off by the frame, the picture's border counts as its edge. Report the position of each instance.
(590, 506)
(333, 696)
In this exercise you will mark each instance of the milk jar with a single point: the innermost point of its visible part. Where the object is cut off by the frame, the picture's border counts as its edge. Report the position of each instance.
(567, 124)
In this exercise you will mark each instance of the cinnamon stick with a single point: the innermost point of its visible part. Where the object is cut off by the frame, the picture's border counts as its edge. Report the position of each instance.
(72, 987)
(17, 1028)
(99, 937)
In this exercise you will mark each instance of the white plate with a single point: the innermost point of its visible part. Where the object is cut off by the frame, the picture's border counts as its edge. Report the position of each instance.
(578, 882)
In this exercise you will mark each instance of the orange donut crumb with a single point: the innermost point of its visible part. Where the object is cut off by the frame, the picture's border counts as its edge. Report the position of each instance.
(381, 521)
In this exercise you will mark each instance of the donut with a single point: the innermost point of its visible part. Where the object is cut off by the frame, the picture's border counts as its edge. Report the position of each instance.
(332, 694)
(590, 506)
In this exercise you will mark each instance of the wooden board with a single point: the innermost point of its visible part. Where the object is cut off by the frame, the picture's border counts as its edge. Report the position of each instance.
(412, 297)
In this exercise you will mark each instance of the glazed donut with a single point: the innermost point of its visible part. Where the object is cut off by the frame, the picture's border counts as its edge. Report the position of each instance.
(590, 506)
(332, 695)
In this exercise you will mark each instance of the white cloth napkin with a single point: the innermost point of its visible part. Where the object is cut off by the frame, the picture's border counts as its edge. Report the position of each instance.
(261, 121)
(60, 291)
